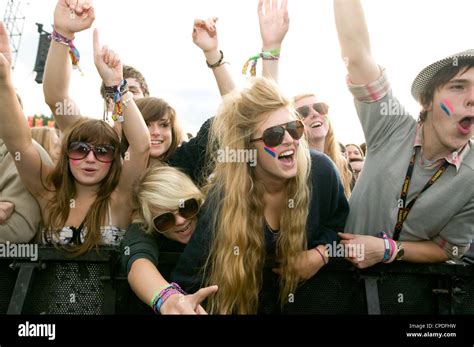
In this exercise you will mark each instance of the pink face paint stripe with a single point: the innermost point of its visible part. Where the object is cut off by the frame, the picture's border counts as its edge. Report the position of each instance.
(448, 104)
(270, 151)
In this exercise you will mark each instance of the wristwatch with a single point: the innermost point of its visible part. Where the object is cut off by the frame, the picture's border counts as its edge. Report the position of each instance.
(400, 250)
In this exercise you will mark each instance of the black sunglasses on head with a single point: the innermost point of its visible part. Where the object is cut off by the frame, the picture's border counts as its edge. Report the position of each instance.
(78, 150)
(274, 136)
(167, 220)
(319, 107)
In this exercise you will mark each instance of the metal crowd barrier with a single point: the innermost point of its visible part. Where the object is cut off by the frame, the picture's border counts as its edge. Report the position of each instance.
(57, 283)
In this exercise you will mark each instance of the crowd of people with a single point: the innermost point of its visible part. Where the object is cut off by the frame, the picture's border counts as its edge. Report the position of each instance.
(137, 182)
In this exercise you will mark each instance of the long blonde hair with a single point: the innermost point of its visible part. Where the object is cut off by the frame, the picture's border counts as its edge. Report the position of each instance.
(161, 187)
(235, 197)
(332, 150)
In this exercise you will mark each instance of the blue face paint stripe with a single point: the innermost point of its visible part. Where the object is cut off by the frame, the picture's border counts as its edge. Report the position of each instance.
(269, 151)
(445, 109)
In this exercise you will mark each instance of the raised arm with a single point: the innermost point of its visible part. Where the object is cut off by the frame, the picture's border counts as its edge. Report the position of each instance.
(355, 42)
(205, 37)
(274, 23)
(14, 129)
(110, 70)
(70, 17)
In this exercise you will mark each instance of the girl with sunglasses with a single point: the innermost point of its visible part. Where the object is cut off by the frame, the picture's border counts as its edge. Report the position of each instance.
(85, 199)
(321, 136)
(274, 25)
(167, 200)
(286, 208)
(167, 204)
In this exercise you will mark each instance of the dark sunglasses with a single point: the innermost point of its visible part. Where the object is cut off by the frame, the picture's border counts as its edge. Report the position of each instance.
(78, 150)
(274, 136)
(319, 107)
(167, 220)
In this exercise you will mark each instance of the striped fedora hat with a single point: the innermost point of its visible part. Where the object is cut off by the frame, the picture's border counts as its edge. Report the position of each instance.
(427, 74)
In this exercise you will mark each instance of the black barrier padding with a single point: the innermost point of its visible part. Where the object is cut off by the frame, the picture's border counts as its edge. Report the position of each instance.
(67, 288)
(408, 294)
(463, 295)
(7, 284)
(90, 285)
(330, 292)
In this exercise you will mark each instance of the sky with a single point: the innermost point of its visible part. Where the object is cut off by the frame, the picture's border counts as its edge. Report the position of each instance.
(155, 37)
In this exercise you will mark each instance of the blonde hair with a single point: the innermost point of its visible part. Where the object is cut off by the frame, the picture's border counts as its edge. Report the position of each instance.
(161, 187)
(236, 200)
(43, 136)
(332, 150)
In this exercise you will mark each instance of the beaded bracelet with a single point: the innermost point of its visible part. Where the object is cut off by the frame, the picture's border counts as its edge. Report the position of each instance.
(265, 55)
(73, 52)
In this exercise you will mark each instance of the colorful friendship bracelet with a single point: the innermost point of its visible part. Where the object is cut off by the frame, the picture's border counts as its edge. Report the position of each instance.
(164, 294)
(73, 52)
(265, 55)
(156, 293)
(116, 94)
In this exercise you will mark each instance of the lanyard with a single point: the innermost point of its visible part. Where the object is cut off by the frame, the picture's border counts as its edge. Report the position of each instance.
(403, 208)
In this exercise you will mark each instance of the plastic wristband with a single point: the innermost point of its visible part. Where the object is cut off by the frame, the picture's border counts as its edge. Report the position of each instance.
(386, 255)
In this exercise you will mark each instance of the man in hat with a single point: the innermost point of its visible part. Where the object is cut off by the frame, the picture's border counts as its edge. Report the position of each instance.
(414, 200)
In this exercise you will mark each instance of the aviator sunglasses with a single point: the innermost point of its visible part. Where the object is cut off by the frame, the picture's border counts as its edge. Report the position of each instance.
(78, 150)
(274, 136)
(319, 107)
(167, 220)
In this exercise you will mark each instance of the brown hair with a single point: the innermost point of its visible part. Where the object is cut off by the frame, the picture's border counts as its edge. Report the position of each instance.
(443, 76)
(362, 154)
(131, 72)
(154, 109)
(96, 132)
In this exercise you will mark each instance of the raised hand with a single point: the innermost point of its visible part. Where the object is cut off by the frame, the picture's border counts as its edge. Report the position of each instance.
(187, 304)
(107, 62)
(274, 22)
(205, 34)
(5, 53)
(73, 16)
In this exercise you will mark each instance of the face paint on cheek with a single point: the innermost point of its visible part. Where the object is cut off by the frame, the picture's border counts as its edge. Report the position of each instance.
(270, 151)
(447, 107)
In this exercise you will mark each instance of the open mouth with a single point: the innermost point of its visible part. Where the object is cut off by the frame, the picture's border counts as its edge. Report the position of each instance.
(465, 124)
(156, 142)
(287, 156)
(317, 124)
